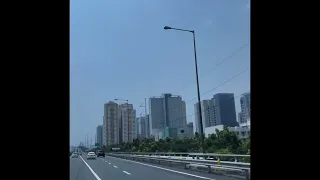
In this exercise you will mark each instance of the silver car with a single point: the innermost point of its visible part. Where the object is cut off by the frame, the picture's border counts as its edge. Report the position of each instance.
(91, 155)
(74, 155)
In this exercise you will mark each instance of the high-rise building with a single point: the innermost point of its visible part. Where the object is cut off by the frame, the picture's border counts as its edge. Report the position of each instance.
(166, 111)
(189, 131)
(111, 123)
(225, 109)
(99, 135)
(220, 110)
(156, 111)
(128, 123)
(245, 109)
(208, 114)
(239, 120)
(138, 128)
(143, 125)
(147, 126)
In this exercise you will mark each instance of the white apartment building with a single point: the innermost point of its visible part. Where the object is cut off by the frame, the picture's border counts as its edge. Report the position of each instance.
(111, 123)
(167, 111)
(242, 132)
(244, 115)
(127, 123)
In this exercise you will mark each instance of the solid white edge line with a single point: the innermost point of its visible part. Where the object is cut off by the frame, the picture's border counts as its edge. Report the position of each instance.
(94, 173)
(126, 172)
(179, 172)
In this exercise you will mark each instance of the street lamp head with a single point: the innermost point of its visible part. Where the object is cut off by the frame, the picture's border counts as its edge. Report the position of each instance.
(121, 100)
(167, 27)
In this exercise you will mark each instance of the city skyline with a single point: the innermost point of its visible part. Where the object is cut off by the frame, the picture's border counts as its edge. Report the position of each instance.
(207, 104)
(143, 129)
(133, 62)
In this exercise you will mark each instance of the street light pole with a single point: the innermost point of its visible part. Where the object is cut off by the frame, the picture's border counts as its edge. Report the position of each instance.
(128, 114)
(198, 88)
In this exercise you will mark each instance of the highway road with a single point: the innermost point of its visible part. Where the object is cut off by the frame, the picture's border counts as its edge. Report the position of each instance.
(110, 168)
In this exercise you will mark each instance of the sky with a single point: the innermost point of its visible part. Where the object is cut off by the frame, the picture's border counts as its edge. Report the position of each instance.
(119, 49)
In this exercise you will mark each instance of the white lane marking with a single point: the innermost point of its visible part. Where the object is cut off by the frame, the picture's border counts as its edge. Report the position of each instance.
(109, 163)
(126, 172)
(115, 166)
(179, 172)
(95, 174)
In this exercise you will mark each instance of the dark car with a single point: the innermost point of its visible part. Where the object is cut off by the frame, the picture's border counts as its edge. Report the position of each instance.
(100, 153)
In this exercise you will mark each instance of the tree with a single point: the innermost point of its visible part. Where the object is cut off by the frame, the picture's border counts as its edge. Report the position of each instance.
(196, 134)
(224, 141)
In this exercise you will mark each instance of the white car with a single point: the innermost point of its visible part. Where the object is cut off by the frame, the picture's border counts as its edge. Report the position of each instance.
(91, 155)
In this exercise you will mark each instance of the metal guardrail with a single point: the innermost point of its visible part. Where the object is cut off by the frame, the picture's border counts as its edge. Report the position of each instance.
(193, 155)
(224, 163)
(243, 168)
(185, 153)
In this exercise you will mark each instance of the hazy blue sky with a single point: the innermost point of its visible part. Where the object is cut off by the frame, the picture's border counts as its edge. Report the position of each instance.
(118, 49)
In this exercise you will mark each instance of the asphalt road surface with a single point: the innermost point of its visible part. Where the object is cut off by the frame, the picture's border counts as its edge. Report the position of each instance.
(110, 168)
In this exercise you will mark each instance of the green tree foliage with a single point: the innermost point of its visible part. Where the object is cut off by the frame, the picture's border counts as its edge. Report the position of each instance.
(222, 142)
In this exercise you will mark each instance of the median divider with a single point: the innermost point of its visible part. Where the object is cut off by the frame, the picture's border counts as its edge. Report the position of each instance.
(239, 170)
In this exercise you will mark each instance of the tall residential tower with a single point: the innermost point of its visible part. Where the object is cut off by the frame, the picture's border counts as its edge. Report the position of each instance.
(111, 123)
(127, 123)
(244, 115)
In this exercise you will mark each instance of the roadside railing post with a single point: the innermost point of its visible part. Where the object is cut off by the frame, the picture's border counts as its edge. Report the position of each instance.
(209, 168)
(247, 174)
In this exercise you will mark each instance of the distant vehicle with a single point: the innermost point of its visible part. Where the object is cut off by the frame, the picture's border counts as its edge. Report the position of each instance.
(74, 155)
(115, 149)
(100, 153)
(91, 155)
